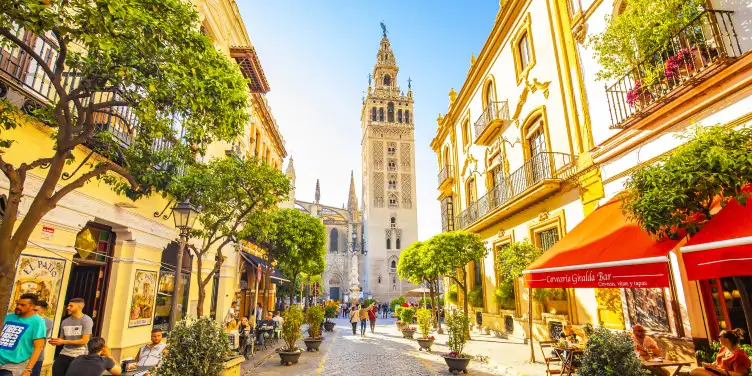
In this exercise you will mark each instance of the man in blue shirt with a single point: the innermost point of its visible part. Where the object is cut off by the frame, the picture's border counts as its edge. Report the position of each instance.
(22, 338)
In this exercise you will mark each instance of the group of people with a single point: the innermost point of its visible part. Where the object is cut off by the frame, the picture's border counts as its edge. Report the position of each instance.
(363, 315)
(26, 331)
(268, 326)
(382, 310)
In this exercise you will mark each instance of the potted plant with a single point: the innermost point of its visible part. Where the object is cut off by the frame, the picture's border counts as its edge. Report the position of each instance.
(330, 313)
(406, 315)
(638, 96)
(610, 350)
(397, 312)
(289, 353)
(196, 344)
(458, 325)
(424, 325)
(314, 318)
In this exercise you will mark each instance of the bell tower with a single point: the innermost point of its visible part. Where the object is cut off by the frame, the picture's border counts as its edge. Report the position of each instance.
(388, 144)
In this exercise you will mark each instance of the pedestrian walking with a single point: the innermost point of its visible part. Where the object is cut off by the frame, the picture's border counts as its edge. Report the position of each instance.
(40, 309)
(354, 319)
(372, 311)
(363, 313)
(22, 338)
(76, 330)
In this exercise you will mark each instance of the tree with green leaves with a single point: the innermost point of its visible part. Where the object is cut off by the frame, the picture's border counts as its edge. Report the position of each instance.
(416, 266)
(451, 251)
(511, 261)
(229, 192)
(674, 196)
(291, 239)
(146, 108)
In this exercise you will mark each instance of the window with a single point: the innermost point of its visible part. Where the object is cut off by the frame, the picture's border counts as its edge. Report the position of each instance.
(391, 149)
(373, 113)
(394, 267)
(393, 201)
(333, 240)
(394, 280)
(647, 307)
(387, 80)
(471, 192)
(379, 279)
(537, 145)
(407, 116)
(399, 116)
(388, 243)
(537, 142)
(381, 114)
(393, 222)
(476, 273)
(548, 238)
(523, 49)
(490, 96)
(391, 165)
(390, 112)
(465, 133)
(392, 184)
(398, 244)
(447, 214)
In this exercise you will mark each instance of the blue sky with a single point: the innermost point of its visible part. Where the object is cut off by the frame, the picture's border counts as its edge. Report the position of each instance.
(317, 56)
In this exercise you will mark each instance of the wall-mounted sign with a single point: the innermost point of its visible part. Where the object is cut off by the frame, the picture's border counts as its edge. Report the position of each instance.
(142, 302)
(48, 233)
(39, 275)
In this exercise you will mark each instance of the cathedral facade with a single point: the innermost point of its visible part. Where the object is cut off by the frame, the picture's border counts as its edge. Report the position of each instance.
(390, 220)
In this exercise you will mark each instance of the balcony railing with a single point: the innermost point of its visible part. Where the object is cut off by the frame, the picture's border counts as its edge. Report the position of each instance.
(494, 114)
(695, 52)
(445, 173)
(542, 166)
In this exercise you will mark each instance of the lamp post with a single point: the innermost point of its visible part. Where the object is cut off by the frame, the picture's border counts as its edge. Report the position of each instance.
(185, 215)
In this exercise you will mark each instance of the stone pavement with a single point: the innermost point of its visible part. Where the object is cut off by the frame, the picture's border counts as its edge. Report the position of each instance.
(387, 353)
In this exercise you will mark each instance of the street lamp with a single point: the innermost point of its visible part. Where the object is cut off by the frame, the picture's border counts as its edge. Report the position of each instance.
(185, 215)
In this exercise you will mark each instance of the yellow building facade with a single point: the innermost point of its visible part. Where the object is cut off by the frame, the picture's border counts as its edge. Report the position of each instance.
(118, 254)
(532, 144)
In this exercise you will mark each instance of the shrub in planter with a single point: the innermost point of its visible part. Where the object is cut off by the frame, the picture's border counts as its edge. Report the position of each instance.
(458, 325)
(330, 312)
(398, 311)
(406, 315)
(610, 353)
(425, 319)
(397, 302)
(199, 345)
(291, 328)
(314, 318)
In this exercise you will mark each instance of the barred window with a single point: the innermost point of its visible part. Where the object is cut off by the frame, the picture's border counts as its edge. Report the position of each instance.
(548, 238)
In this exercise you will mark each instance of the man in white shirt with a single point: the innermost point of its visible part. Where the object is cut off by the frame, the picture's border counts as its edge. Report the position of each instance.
(231, 312)
(150, 354)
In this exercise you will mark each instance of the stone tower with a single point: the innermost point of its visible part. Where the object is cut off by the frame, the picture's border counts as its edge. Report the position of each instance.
(290, 173)
(389, 204)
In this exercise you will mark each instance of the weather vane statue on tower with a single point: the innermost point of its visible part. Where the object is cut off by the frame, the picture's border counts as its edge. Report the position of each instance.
(383, 28)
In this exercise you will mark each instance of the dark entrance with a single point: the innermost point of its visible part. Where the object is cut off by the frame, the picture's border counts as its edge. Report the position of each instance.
(728, 304)
(90, 272)
(334, 293)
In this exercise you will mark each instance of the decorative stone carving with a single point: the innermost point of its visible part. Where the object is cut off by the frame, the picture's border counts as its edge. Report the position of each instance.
(405, 153)
(543, 216)
(500, 234)
(407, 199)
(378, 189)
(378, 155)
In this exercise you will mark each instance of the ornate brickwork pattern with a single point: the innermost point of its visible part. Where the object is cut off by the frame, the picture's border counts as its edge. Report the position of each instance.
(405, 156)
(378, 189)
(407, 197)
(378, 155)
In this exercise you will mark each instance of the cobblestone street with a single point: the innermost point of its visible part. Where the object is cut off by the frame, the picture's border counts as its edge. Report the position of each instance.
(382, 353)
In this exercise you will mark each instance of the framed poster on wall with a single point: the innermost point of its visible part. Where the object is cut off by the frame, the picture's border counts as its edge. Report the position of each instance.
(39, 275)
(142, 301)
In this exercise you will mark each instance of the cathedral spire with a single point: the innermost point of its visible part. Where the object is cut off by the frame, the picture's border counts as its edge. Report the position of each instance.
(385, 70)
(352, 200)
(318, 191)
(290, 171)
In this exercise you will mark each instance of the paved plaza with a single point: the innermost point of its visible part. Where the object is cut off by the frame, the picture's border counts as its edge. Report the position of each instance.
(387, 353)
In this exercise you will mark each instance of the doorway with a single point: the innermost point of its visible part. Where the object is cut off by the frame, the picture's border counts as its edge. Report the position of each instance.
(89, 275)
(728, 304)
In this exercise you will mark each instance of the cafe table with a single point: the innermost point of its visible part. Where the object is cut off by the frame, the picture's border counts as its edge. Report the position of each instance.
(567, 354)
(661, 363)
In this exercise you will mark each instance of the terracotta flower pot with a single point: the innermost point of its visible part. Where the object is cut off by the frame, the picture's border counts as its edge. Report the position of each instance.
(289, 358)
(425, 343)
(457, 364)
(406, 333)
(329, 326)
(313, 344)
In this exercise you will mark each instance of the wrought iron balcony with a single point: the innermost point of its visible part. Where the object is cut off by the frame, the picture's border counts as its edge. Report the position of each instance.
(703, 47)
(491, 121)
(445, 175)
(528, 180)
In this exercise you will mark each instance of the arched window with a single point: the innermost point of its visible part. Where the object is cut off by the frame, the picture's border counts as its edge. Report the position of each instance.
(470, 191)
(388, 243)
(397, 243)
(407, 116)
(391, 165)
(393, 201)
(387, 80)
(373, 113)
(379, 279)
(394, 264)
(381, 114)
(333, 240)
(393, 222)
(392, 184)
(465, 133)
(394, 280)
(489, 94)
(390, 112)
(399, 116)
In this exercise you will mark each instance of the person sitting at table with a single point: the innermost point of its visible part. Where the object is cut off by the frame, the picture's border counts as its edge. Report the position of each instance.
(95, 362)
(570, 332)
(646, 348)
(243, 330)
(150, 354)
(265, 328)
(279, 321)
(730, 361)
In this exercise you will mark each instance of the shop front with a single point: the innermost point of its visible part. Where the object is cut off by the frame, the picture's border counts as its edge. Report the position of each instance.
(166, 286)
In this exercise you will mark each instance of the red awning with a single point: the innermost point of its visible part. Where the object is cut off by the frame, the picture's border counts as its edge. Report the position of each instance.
(723, 248)
(604, 250)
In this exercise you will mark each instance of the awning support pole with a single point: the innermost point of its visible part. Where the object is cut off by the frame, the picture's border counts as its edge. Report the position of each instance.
(530, 322)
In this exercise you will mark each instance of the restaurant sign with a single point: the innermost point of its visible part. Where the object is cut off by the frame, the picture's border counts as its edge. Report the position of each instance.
(623, 276)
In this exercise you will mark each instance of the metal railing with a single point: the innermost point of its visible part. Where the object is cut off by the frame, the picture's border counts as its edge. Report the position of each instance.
(687, 56)
(494, 111)
(18, 69)
(445, 173)
(542, 166)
